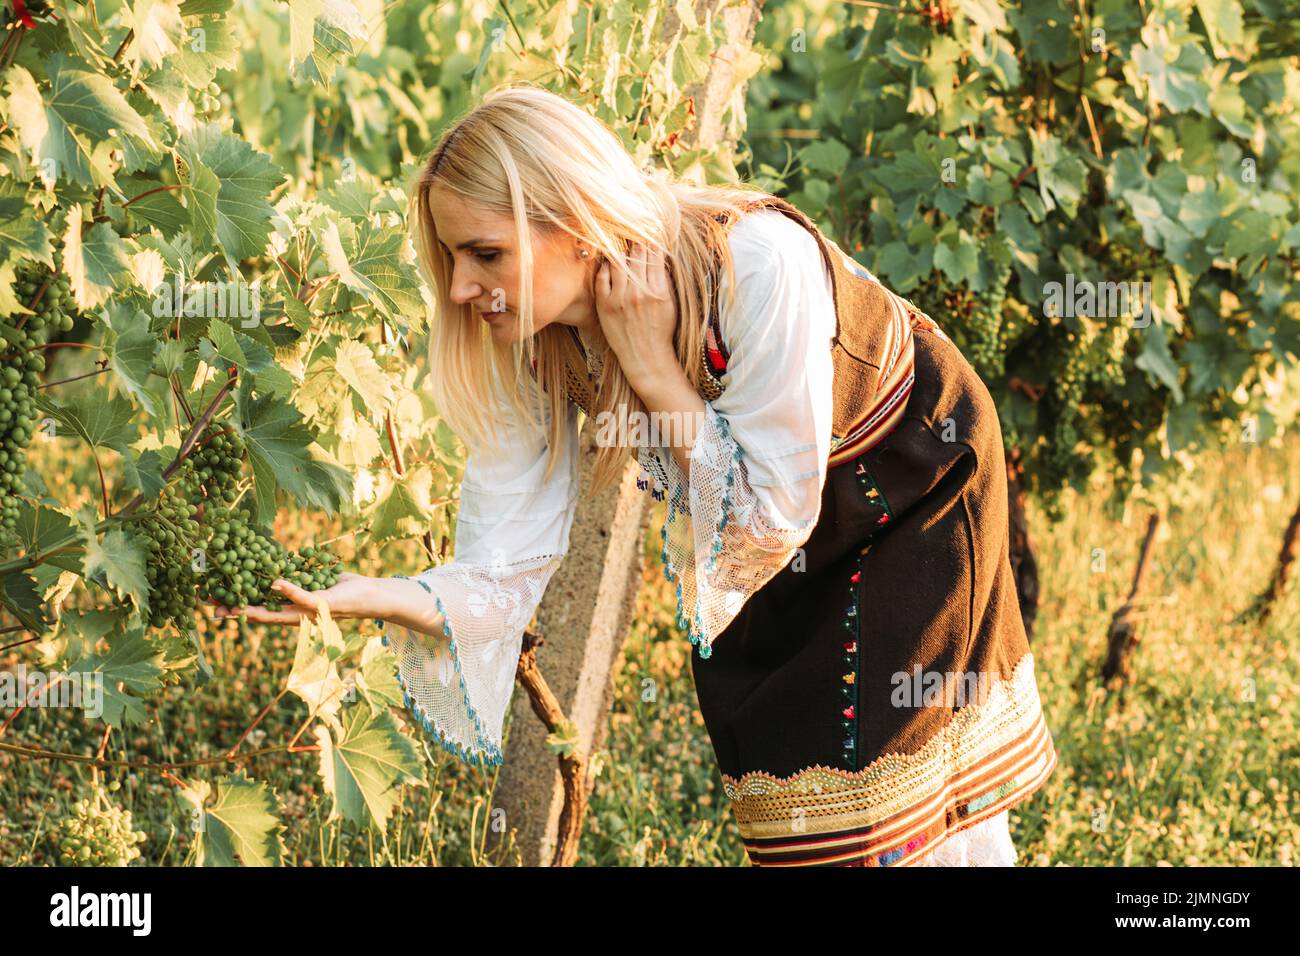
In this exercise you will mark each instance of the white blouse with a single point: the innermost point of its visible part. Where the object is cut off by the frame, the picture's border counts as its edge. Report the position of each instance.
(751, 500)
(758, 463)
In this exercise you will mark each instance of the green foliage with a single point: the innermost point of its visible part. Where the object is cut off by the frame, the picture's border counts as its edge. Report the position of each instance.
(209, 199)
(202, 214)
(1110, 143)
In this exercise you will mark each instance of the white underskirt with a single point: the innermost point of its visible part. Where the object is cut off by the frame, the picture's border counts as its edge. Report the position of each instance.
(987, 843)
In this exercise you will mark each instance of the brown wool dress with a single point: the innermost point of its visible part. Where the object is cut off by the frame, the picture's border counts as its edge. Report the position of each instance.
(836, 741)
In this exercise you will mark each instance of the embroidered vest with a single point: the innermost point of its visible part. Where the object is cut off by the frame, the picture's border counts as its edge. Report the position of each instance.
(872, 351)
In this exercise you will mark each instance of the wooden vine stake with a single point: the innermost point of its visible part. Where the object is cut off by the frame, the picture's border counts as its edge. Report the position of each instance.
(1024, 564)
(1285, 562)
(1123, 637)
(588, 606)
(573, 763)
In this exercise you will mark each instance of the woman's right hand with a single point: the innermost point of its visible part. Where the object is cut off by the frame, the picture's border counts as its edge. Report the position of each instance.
(353, 596)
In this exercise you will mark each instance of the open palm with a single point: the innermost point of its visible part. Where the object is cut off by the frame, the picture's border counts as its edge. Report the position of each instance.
(346, 599)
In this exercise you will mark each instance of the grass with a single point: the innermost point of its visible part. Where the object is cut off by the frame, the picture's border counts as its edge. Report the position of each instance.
(1196, 763)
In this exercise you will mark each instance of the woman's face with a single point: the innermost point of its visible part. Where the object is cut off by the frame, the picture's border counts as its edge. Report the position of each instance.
(486, 272)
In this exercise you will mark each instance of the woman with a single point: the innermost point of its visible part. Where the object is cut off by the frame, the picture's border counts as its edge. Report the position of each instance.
(836, 507)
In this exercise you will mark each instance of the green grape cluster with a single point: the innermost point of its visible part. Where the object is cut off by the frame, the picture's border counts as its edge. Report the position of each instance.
(167, 537)
(98, 833)
(1061, 458)
(984, 326)
(1124, 262)
(218, 460)
(243, 561)
(54, 311)
(1106, 355)
(17, 424)
(1060, 455)
(312, 569)
(21, 364)
(1071, 373)
(207, 102)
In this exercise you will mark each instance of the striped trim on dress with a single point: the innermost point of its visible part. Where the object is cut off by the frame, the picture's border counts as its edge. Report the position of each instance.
(988, 757)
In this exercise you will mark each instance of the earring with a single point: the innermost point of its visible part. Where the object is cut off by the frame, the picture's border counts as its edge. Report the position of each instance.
(584, 254)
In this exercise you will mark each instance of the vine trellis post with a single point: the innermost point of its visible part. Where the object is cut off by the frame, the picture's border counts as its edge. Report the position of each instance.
(587, 610)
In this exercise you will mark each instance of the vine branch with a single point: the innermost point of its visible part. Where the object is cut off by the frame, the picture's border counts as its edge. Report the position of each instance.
(40, 754)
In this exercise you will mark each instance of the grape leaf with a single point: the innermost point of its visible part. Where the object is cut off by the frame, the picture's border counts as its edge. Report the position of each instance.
(9, 304)
(143, 471)
(958, 263)
(356, 365)
(132, 359)
(79, 631)
(240, 826)
(264, 488)
(131, 661)
(209, 46)
(237, 213)
(829, 156)
(21, 235)
(1157, 360)
(363, 768)
(277, 443)
(149, 203)
(101, 422)
(400, 514)
(170, 358)
(351, 199)
(118, 563)
(1223, 23)
(986, 14)
(93, 261)
(1061, 174)
(82, 31)
(377, 676)
(1173, 80)
(226, 351)
(370, 262)
(195, 8)
(320, 36)
(315, 676)
(22, 598)
(74, 120)
(203, 189)
(40, 528)
(158, 29)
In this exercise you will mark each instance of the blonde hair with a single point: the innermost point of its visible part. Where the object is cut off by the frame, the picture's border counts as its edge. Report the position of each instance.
(532, 155)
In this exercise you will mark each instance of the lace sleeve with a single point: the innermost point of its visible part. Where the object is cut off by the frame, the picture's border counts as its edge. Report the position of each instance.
(758, 464)
(511, 533)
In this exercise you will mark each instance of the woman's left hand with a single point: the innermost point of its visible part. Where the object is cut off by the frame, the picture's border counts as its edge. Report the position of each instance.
(639, 325)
